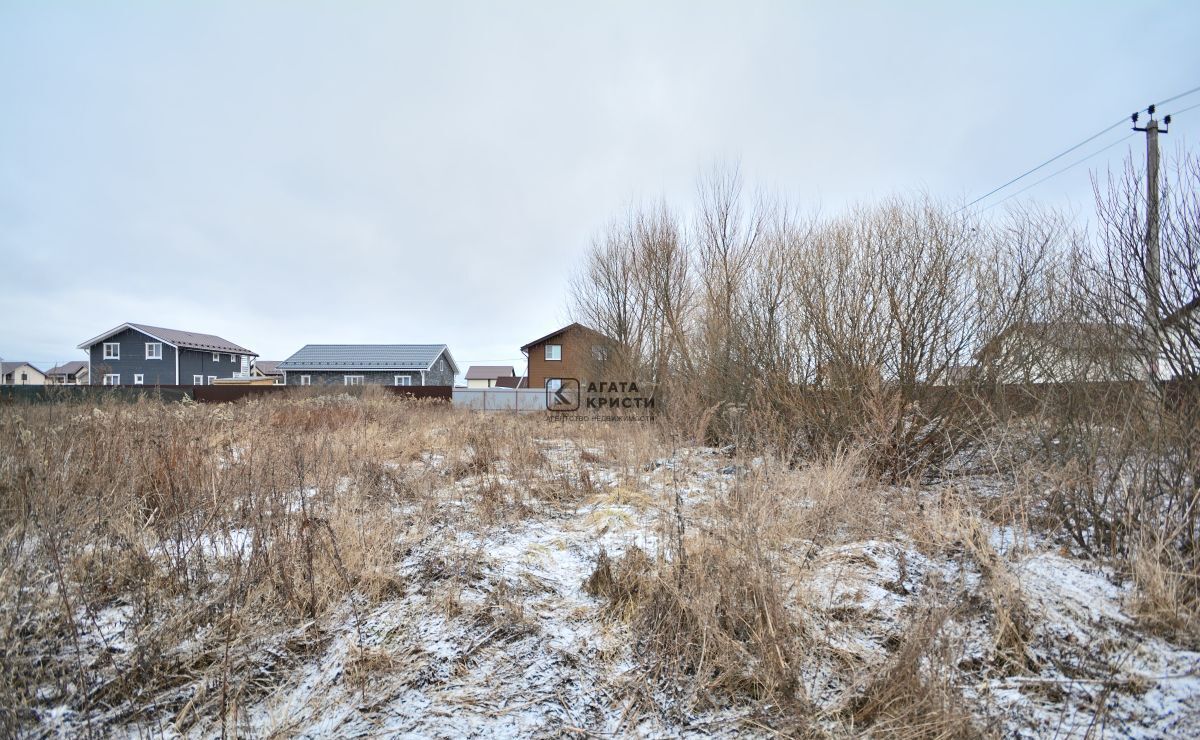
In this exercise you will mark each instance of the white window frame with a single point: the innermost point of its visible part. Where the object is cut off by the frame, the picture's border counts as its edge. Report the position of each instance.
(232, 358)
(216, 356)
(138, 379)
(197, 380)
(152, 355)
(402, 380)
(212, 379)
(553, 384)
(353, 380)
(112, 379)
(112, 350)
(557, 353)
(305, 380)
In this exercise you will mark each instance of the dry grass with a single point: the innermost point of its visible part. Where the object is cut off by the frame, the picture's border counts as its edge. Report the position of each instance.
(1167, 596)
(913, 695)
(172, 564)
(225, 529)
(737, 617)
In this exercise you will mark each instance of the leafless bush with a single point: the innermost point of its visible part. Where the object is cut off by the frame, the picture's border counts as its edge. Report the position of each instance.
(789, 334)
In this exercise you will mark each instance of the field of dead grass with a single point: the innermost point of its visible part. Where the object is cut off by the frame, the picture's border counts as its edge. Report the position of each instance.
(368, 566)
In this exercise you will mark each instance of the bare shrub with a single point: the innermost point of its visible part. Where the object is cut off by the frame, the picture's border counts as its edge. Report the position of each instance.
(1167, 595)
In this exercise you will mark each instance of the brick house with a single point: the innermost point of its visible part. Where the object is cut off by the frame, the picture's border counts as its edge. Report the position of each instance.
(574, 351)
(370, 364)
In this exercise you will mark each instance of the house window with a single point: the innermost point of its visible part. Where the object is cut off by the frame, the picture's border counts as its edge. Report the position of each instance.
(553, 384)
(305, 380)
(113, 379)
(197, 380)
(112, 350)
(403, 380)
(212, 379)
(216, 356)
(232, 358)
(153, 350)
(137, 378)
(24, 378)
(553, 351)
(599, 353)
(353, 379)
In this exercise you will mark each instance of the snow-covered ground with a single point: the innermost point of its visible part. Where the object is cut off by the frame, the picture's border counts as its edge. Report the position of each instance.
(491, 634)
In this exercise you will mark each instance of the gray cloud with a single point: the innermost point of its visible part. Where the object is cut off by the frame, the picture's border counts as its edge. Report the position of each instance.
(391, 173)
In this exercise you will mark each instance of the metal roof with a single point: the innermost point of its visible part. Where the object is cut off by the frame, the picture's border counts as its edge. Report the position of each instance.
(366, 357)
(178, 338)
(193, 340)
(568, 327)
(490, 372)
(67, 368)
(268, 367)
(8, 367)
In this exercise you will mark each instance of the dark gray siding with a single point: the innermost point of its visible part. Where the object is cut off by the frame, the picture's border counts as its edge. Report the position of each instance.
(194, 362)
(157, 372)
(440, 373)
(133, 360)
(338, 377)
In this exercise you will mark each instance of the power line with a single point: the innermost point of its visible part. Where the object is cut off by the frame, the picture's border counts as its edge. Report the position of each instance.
(1121, 140)
(1055, 158)
(1177, 97)
(1185, 110)
(1059, 172)
(1064, 153)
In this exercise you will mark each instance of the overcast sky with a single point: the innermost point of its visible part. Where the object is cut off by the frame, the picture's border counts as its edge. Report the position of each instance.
(285, 173)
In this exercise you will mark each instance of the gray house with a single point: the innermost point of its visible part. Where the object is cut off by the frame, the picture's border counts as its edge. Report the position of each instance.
(137, 354)
(373, 364)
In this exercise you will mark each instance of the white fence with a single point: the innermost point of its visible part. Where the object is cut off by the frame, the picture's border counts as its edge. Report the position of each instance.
(515, 400)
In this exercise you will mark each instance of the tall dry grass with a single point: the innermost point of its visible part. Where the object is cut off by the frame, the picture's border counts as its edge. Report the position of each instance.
(221, 537)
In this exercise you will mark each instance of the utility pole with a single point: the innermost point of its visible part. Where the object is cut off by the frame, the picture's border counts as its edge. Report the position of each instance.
(1152, 265)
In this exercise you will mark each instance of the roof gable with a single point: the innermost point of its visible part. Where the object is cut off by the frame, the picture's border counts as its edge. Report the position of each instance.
(490, 372)
(8, 367)
(68, 368)
(564, 330)
(267, 367)
(176, 338)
